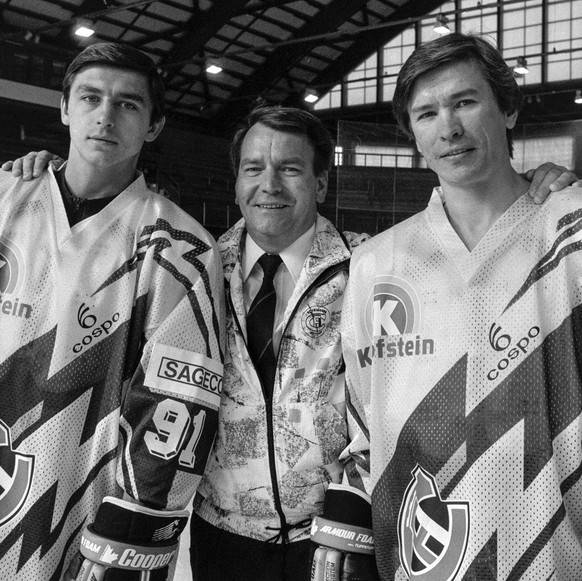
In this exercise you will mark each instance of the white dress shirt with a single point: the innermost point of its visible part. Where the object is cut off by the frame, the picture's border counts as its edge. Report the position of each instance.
(285, 279)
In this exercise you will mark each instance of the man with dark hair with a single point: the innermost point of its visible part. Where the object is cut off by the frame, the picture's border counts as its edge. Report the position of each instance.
(282, 423)
(111, 350)
(124, 57)
(461, 332)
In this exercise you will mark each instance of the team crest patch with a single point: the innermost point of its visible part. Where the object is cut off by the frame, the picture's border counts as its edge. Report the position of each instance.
(393, 308)
(11, 267)
(432, 533)
(314, 321)
(15, 476)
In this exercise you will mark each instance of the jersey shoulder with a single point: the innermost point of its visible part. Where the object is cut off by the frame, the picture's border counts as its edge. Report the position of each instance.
(159, 207)
(563, 202)
(397, 234)
(14, 191)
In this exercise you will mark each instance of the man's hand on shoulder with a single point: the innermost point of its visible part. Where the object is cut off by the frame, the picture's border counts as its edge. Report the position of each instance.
(548, 178)
(32, 164)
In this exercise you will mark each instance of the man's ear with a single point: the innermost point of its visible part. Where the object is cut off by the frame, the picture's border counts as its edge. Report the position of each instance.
(321, 187)
(510, 120)
(64, 111)
(155, 129)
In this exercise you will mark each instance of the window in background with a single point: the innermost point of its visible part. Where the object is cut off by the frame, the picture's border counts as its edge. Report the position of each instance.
(362, 82)
(395, 53)
(482, 22)
(330, 100)
(383, 156)
(564, 36)
(522, 36)
(532, 152)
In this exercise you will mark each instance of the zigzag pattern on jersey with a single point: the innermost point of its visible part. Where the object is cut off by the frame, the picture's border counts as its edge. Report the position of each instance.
(544, 391)
(556, 254)
(148, 240)
(26, 385)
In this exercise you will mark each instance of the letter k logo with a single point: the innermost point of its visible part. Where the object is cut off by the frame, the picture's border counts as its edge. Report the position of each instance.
(385, 316)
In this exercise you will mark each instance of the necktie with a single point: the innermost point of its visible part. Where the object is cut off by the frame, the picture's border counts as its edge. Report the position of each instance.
(260, 321)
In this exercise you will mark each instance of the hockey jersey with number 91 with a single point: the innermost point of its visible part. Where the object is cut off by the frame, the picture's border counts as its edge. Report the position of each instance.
(464, 375)
(110, 364)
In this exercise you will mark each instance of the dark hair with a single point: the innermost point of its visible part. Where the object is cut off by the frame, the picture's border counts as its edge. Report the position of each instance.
(453, 48)
(288, 120)
(124, 57)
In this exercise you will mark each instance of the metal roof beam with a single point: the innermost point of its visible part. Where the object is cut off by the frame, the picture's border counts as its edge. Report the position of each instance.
(278, 62)
(371, 41)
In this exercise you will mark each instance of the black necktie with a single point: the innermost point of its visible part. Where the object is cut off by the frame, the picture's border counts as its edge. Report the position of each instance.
(260, 321)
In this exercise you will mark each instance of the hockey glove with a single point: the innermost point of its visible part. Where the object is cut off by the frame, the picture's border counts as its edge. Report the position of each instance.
(344, 539)
(127, 542)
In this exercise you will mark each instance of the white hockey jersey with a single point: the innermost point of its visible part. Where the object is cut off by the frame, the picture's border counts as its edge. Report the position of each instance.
(464, 377)
(111, 349)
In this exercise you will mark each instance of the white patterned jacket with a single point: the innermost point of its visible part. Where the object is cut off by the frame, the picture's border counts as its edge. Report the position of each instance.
(273, 461)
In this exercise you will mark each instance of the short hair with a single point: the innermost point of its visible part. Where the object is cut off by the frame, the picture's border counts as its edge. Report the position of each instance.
(454, 48)
(287, 120)
(124, 57)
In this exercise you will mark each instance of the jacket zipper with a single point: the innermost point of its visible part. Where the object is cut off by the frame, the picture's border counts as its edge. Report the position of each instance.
(270, 437)
(322, 278)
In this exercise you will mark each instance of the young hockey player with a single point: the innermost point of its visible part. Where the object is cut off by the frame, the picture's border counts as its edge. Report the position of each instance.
(111, 348)
(461, 331)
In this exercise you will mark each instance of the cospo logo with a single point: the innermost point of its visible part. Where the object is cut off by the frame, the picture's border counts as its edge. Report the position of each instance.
(501, 341)
(87, 320)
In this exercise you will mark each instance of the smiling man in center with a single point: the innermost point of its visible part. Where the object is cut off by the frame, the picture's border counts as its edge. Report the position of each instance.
(283, 423)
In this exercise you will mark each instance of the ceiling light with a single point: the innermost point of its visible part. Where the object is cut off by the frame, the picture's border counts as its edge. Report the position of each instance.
(521, 67)
(578, 97)
(442, 25)
(84, 28)
(213, 68)
(310, 97)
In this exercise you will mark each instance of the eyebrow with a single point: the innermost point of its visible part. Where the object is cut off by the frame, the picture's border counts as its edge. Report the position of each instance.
(259, 160)
(453, 97)
(91, 89)
(294, 160)
(253, 160)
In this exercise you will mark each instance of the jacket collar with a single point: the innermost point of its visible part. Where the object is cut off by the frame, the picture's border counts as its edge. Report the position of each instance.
(328, 248)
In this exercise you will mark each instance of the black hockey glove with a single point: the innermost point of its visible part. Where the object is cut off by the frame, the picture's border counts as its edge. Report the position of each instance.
(344, 539)
(127, 542)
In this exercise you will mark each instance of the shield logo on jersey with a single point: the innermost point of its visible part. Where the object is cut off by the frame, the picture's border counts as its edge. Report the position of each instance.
(11, 267)
(432, 533)
(15, 476)
(393, 308)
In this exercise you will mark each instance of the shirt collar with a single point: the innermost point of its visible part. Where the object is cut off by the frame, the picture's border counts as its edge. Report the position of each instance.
(293, 256)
